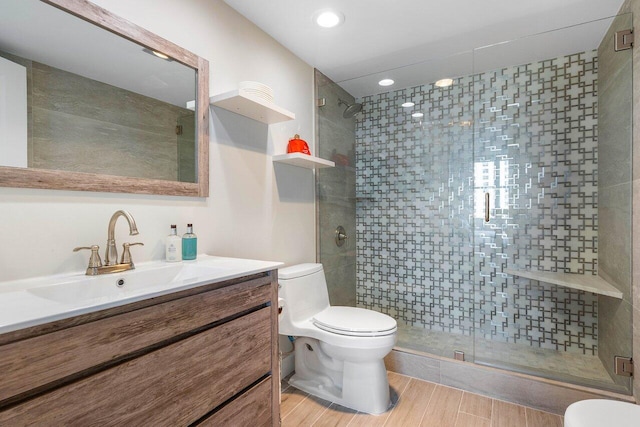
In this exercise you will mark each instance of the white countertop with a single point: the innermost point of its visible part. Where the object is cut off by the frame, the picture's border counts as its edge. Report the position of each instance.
(31, 302)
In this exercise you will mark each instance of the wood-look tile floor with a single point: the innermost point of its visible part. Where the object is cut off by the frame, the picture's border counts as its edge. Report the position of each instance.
(417, 403)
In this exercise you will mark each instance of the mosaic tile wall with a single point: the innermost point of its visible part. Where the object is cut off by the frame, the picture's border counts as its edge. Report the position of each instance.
(422, 243)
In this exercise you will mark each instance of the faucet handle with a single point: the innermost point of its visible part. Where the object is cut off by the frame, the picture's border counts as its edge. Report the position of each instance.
(126, 253)
(94, 259)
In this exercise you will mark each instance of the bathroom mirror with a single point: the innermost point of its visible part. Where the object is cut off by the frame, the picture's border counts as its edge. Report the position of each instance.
(92, 102)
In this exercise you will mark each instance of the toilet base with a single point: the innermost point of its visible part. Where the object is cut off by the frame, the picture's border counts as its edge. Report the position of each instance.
(362, 386)
(361, 402)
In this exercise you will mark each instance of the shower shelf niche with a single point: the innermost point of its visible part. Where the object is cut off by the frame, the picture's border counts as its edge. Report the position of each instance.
(303, 161)
(254, 107)
(583, 282)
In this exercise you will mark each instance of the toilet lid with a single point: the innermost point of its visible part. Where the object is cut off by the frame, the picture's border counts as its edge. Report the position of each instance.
(602, 412)
(355, 322)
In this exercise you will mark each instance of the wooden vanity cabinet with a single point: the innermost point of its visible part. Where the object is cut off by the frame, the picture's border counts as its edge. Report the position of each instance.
(206, 356)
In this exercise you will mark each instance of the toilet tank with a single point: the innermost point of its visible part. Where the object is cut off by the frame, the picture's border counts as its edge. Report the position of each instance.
(302, 293)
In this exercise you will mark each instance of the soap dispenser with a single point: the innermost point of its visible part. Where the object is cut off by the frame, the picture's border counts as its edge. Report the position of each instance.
(189, 244)
(173, 247)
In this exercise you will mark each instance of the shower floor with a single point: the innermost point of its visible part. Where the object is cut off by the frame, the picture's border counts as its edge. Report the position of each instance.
(586, 370)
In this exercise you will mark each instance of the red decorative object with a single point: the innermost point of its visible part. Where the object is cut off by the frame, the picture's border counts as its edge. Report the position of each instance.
(297, 145)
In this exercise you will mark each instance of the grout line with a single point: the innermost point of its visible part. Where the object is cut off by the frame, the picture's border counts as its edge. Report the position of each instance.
(490, 408)
(352, 418)
(493, 401)
(388, 415)
(404, 388)
(428, 403)
(474, 415)
(330, 406)
(476, 394)
(293, 409)
(396, 404)
(458, 413)
(326, 408)
(525, 406)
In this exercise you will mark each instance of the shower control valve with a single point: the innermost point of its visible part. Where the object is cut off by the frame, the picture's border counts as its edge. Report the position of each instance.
(341, 235)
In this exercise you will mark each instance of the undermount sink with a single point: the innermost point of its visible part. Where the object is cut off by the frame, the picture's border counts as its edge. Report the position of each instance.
(31, 302)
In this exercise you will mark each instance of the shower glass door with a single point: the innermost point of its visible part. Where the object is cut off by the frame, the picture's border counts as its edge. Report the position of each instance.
(414, 201)
(552, 204)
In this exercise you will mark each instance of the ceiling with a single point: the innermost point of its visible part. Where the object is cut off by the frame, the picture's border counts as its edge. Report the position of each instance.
(419, 41)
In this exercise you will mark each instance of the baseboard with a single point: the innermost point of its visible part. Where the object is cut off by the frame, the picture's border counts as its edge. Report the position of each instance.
(546, 395)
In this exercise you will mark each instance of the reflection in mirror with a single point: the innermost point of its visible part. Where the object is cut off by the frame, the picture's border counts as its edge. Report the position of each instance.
(85, 100)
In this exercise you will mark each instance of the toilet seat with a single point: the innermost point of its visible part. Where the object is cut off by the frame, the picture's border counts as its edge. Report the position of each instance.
(355, 322)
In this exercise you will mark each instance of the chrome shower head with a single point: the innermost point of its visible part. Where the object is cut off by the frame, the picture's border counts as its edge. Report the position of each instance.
(351, 110)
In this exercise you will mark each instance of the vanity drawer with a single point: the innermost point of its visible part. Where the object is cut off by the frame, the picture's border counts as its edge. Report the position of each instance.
(36, 364)
(252, 408)
(175, 385)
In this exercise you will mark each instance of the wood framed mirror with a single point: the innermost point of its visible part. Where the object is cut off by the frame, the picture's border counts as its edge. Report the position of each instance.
(143, 111)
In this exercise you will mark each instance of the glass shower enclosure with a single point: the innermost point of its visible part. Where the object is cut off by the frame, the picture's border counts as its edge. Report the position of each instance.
(549, 137)
(493, 216)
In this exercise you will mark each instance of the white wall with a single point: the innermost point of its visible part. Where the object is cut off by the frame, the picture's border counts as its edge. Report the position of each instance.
(255, 210)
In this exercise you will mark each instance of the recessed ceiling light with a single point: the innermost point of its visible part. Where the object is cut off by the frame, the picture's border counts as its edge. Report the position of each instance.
(328, 18)
(408, 104)
(417, 115)
(444, 82)
(386, 82)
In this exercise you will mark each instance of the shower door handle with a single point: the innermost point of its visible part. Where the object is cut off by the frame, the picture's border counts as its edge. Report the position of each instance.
(486, 207)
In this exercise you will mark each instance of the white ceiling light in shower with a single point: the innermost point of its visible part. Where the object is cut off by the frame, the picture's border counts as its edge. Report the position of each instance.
(327, 18)
(408, 104)
(444, 82)
(386, 82)
(417, 115)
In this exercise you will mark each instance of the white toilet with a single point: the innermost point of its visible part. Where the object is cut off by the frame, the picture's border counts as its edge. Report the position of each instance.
(602, 413)
(339, 351)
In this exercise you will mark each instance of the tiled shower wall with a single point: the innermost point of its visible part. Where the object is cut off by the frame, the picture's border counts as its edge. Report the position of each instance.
(335, 191)
(527, 135)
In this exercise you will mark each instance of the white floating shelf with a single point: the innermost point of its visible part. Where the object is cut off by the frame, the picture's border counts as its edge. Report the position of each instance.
(303, 161)
(251, 106)
(583, 282)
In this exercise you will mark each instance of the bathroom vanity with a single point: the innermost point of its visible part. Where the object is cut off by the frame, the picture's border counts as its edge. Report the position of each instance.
(201, 349)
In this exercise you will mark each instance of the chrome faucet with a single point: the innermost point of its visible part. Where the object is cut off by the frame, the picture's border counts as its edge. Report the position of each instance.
(111, 255)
